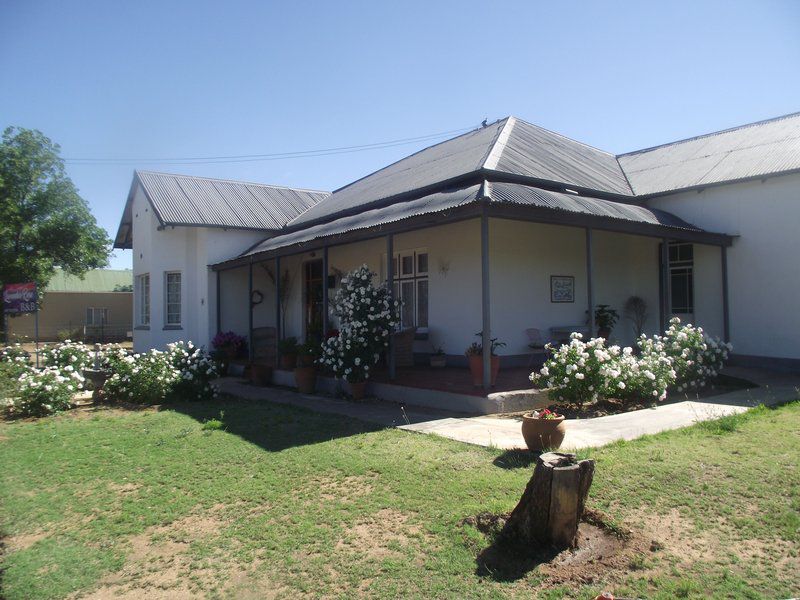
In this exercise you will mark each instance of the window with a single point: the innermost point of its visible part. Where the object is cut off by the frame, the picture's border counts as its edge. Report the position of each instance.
(681, 278)
(172, 292)
(411, 287)
(143, 300)
(96, 316)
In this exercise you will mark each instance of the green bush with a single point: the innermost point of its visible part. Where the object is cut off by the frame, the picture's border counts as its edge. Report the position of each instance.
(42, 392)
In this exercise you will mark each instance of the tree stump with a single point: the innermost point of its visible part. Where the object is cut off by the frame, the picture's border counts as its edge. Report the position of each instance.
(552, 505)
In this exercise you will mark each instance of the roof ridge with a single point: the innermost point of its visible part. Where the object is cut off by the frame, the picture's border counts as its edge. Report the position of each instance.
(712, 133)
(470, 132)
(496, 148)
(269, 185)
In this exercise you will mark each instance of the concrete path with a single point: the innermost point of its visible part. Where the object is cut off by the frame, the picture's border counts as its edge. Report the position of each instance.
(588, 433)
(505, 432)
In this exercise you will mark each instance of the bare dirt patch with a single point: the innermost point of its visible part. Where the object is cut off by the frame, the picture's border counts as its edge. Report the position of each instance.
(384, 535)
(602, 553)
(15, 543)
(347, 489)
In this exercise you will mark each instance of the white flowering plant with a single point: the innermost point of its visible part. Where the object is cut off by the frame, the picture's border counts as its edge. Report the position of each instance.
(183, 372)
(367, 315)
(68, 357)
(683, 358)
(14, 361)
(42, 392)
(696, 357)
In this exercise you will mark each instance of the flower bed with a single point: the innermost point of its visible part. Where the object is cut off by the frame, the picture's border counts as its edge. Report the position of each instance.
(581, 373)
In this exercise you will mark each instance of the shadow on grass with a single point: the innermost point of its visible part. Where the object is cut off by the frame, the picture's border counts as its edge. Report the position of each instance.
(516, 459)
(273, 427)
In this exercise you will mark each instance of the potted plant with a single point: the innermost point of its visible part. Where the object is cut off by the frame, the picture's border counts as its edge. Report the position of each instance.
(287, 349)
(543, 430)
(605, 318)
(305, 373)
(229, 345)
(475, 356)
(438, 358)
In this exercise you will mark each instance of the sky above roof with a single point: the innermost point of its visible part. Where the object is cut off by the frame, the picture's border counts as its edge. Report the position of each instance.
(184, 79)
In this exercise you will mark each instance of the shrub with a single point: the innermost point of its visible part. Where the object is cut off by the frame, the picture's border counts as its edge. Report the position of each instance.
(70, 358)
(695, 356)
(42, 392)
(575, 370)
(366, 316)
(183, 372)
(197, 370)
(684, 357)
(14, 361)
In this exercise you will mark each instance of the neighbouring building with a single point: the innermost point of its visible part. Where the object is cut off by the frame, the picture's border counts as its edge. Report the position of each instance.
(505, 229)
(95, 307)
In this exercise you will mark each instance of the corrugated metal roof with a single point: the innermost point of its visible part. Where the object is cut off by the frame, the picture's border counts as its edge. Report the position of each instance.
(536, 152)
(509, 146)
(206, 202)
(531, 196)
(512, 193)
(96, 280)
(754, 150)
(433, 203)
(187, 200)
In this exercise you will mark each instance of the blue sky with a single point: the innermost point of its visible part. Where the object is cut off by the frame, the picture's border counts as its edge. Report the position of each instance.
(172, 79)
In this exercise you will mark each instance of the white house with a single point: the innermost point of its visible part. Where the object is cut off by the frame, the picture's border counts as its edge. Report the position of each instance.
(505, 228)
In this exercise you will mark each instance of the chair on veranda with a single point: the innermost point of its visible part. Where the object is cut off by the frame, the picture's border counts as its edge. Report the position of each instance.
(536, 342)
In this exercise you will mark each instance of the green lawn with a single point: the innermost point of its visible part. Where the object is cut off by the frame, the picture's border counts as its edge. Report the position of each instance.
(287, 503)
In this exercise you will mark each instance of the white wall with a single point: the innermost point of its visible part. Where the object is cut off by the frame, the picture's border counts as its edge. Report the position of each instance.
(189, 250)
(523, 256)
(763, 271)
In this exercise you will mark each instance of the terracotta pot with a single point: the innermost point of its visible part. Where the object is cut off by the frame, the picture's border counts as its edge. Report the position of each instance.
(306, 379)
(604, 332)
(543, 434)
(358, 389)
(288, 361)
(305, 360)
(260, 374)
(438, 361)
(476, 368)
(229, 351)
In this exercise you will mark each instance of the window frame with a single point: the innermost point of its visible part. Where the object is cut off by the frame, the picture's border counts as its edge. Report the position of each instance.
(681, 264)
(414, 277)
(142, 285)
(167, 323)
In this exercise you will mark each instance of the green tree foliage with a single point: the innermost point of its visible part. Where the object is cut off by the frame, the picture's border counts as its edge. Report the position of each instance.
(44, 223)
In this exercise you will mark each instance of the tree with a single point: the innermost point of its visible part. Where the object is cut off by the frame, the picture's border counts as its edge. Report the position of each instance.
(44, 223)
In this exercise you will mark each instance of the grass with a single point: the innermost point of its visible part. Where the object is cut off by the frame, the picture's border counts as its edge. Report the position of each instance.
(291, 503)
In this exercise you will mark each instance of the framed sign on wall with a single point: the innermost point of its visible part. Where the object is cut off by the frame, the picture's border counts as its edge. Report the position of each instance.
(562, 288)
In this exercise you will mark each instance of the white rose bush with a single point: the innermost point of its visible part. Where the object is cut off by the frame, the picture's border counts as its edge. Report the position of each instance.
(183, 372)
(684, 359)
(367, 316)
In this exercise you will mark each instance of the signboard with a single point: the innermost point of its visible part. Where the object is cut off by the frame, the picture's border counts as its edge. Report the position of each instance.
(19, 298)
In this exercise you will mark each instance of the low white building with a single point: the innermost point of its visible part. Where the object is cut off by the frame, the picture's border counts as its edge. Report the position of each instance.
(504, 229)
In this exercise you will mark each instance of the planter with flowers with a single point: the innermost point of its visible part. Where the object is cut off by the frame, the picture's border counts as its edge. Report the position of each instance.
(543, 430)
(367, 315)
(305, 373)
(475, 357)
(229, 345)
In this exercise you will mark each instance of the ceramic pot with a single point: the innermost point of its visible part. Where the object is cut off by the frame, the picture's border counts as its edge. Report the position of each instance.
(288, 361)
(260, 374)
(306, 379)
(358, 390)
(476, 368)
(543, 434)
(604, 332)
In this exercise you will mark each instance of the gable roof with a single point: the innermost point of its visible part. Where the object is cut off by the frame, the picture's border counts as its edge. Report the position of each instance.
(96, 280)
(748, 151)
(509, 146)
(201, 201)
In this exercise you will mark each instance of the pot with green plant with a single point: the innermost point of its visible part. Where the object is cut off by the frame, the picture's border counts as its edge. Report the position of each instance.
(543, 430)
(287, 349)
(438, 358)
(475, 357)
(305, 373)
(605, 318)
